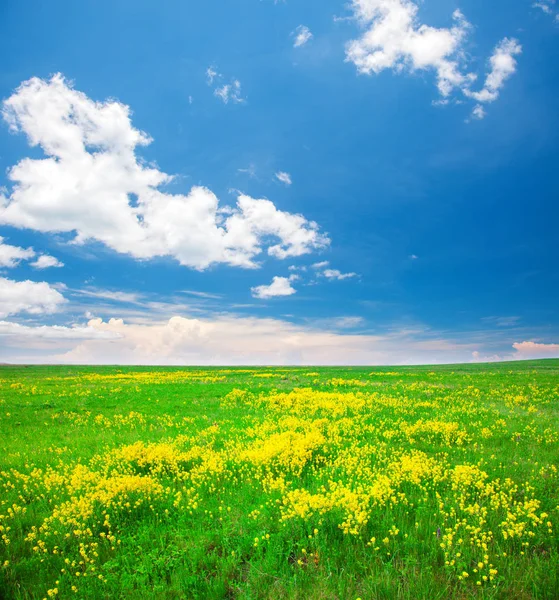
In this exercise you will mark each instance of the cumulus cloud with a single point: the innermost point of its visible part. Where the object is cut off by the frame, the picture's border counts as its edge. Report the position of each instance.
(536, 350)
(46, 261)
(183, 341)
(478, 357)
(302, 36)
(503, 65)
(28, 297)
(93, 184)
(394, 38)
(284, 177)
(527, 350)
(11, 256)
(280, 286)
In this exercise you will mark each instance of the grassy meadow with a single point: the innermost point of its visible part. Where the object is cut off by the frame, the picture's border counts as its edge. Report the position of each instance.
(309, 483)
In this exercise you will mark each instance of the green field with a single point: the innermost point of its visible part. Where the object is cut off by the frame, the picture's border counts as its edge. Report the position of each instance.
(390, 482)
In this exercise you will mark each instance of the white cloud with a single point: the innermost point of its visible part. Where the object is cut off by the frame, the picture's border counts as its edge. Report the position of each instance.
(284, 177)
(211, 74)
(255, 219)
(216, 342)
(546, 5)
(536, 350)
(205, 295)
(93, 183)
(229, 92)
(501, 321)
(302, 36)
(395, 39)
(11, 256)
(280, 286)
(28, 297)
(54, 332)
(45, 262)
(250, 171)
(335, 274)
(347, 322)
(114, 296)
(478, 112)
(522, 351)
(331, 273)
(320, 265)
(503, 65)
(226, 92)
(477, 357)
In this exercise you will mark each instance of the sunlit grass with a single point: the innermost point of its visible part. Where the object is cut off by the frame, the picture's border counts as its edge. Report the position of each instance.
(426, 482)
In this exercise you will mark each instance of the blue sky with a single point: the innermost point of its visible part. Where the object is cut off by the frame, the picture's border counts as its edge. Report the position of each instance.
(175, 177)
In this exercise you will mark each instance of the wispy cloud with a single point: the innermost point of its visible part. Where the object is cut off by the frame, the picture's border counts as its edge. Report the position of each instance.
(250, 171)
(336, 274)
(230, 92)
(348, 322)
(478, 112)
(54, 332)
(501, 321)
(302, 35)
(548, 7)
(211, 74)
(115, 296)
(284, 177)
(320, 265)
(201, 294)
(227, 92)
